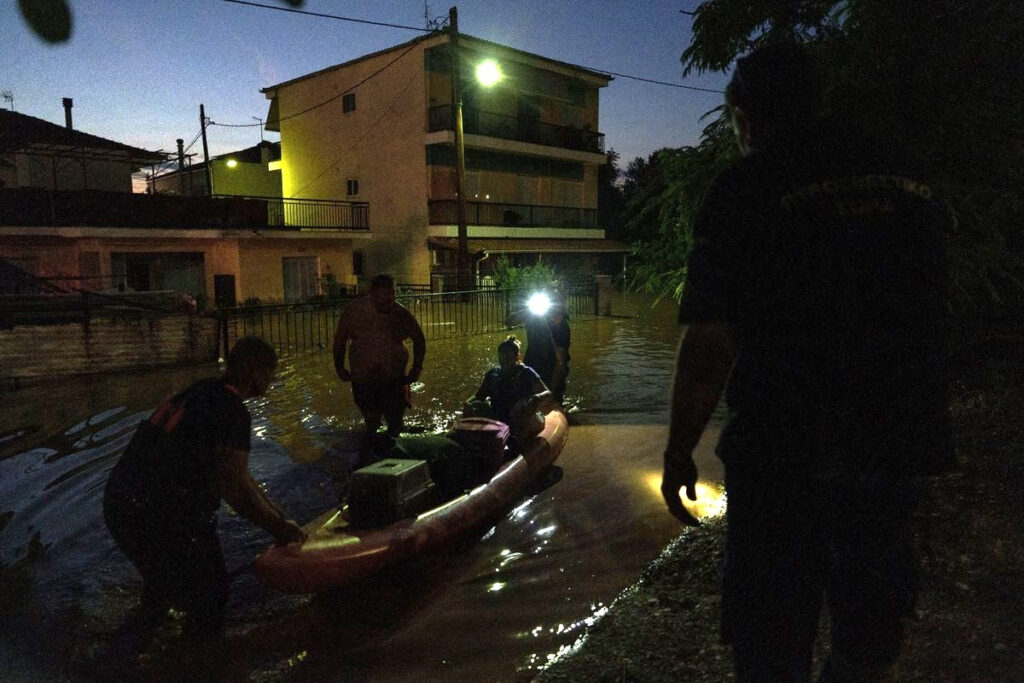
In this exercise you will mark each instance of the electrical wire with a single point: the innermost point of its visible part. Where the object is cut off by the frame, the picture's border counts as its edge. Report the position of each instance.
(351, 147)
(320, 104)
(331, 16)
(425, 30)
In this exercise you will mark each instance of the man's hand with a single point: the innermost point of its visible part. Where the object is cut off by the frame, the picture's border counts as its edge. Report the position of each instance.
(289, 532)
(680, 471)
(414, 374)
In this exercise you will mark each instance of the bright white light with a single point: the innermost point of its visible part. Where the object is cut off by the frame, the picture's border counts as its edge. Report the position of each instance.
(232, 163)
(539, 303)
(488, 73)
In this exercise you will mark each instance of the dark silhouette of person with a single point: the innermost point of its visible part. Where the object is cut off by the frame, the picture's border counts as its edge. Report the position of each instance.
(372, 330)
(816, 292)
(548, 337)
(513, 389)
(160, 500)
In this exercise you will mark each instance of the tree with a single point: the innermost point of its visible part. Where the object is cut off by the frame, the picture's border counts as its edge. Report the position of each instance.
(940, 77)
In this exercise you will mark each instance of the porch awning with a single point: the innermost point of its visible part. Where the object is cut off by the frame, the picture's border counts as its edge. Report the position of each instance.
(533, 246)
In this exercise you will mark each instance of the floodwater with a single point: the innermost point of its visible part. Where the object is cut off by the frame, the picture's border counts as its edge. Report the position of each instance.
(498, 609)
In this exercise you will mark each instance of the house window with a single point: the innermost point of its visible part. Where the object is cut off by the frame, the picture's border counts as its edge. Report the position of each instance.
(352, 186)
(348, 102)
(301, 277)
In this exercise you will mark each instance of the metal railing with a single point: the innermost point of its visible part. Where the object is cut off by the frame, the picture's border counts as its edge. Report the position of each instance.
(479, 122)
(294, 328)
(32, 206)
(445, 212)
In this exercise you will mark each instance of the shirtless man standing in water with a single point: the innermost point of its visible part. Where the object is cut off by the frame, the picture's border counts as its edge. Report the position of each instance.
(372, 329)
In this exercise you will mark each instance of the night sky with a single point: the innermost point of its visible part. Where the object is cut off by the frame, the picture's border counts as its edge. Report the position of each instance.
(138, 71)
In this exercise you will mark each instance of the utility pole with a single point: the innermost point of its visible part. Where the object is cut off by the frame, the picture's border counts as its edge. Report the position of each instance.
(206, 151)
(460, 153)
(181, 167)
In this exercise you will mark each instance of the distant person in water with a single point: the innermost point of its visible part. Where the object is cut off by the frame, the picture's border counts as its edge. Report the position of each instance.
(515, 392)
(547, 345)
(161, 498)
(372, 331)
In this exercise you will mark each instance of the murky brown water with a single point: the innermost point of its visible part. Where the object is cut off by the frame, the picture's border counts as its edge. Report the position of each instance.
(496, 610)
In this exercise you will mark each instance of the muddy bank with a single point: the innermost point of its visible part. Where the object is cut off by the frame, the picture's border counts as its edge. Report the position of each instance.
(968, 624)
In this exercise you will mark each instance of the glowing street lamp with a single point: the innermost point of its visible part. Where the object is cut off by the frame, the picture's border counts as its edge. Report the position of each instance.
(488, 73)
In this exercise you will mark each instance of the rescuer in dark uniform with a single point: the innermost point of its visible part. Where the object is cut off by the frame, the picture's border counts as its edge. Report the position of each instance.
(161, 498)
(818, 278)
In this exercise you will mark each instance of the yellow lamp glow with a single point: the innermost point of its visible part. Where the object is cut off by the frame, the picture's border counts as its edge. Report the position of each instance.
(711, 501)
(488, 73)
(232, 163)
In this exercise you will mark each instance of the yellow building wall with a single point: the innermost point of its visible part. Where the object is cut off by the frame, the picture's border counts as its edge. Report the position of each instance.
(261, 274)
(246, 179)
(380, 144)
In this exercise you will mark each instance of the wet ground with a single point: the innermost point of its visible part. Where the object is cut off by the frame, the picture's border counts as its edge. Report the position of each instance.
(498, 609)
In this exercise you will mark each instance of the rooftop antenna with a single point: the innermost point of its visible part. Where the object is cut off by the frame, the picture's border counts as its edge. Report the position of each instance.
(8, 96)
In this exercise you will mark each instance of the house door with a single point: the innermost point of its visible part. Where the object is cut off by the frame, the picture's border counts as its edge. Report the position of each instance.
(224, 291)
(300, 278)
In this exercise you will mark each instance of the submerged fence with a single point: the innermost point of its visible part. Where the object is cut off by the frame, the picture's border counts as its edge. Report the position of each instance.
(295, 328)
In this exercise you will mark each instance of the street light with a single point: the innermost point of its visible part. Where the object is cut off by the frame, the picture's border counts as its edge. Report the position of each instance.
(487, 74)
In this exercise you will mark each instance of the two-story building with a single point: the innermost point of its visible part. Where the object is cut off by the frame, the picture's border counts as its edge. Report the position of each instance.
(381, 129)
(69, 217)
(251, 172)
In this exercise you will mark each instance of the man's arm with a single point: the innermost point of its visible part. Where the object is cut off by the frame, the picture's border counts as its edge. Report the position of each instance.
(245, 497)
(340, 347)
(706, 354)
(419, 349)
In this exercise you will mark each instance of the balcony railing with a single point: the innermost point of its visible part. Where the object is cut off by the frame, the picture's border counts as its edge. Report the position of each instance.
(477, 122)
(32, 206)
(445, 212)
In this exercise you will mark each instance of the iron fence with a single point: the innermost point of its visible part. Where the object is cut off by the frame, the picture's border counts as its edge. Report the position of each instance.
(480, 122)
(445, 212)
(309, 327)
(32, 206)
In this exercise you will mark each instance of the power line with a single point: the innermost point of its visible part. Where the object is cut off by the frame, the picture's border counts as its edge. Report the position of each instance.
(425, 30)
(331, 16)
(347, 90)
(328, 167)
(235, 125)
(651, 80)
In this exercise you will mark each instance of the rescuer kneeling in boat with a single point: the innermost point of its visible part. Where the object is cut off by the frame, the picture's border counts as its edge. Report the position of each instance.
(516, 393)
(161, 499)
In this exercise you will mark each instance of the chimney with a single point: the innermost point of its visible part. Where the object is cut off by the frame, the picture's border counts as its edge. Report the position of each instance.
(181, 154)
(67, 112)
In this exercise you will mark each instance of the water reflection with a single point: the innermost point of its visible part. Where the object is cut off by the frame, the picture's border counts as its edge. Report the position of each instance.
(494, 610)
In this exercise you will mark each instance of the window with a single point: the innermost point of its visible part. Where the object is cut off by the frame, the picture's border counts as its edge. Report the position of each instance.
(352, 186)
(348, 102)
(301, 277)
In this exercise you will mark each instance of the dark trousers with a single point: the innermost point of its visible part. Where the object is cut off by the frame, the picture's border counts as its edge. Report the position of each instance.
(796, 539)
(180, 561)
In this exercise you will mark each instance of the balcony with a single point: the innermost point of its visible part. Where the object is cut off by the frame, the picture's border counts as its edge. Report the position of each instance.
(31, 206)
(445, 212)
(477, 122)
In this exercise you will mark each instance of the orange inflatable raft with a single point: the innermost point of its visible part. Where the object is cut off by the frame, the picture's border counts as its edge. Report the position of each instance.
(337, 552)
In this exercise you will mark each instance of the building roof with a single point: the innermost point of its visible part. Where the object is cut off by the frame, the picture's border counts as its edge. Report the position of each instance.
(462, 37)
(250, 155)
(20, 131)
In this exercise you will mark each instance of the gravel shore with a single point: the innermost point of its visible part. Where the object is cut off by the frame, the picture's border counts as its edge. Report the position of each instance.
(968, 625)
